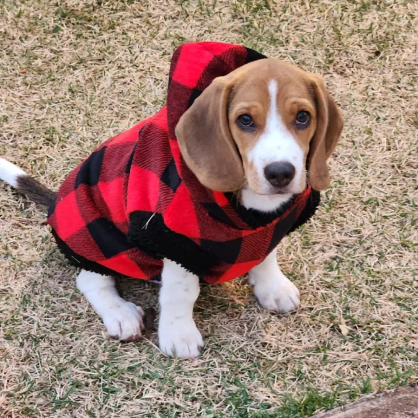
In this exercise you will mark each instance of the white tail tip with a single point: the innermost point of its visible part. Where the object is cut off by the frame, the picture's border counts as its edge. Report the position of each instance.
(10, 172)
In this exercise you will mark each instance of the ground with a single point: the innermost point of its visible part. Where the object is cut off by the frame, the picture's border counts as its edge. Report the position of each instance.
(74, 73)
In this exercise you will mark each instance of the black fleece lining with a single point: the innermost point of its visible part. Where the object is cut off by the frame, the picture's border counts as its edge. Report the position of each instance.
(255, 218)
(148, 232)
(308, 211)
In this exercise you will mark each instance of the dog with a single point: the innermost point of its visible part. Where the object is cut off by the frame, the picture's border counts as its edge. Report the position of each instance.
(203, 190)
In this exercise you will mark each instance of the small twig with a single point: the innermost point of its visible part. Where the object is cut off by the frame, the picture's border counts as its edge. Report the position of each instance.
(149, 220)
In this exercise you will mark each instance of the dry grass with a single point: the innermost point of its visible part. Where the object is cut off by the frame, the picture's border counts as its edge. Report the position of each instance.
(73, 73)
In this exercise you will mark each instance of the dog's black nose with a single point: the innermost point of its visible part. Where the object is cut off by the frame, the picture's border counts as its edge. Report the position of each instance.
(279, 174)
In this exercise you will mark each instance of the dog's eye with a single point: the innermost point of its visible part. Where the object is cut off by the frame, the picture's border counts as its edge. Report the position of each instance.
(302, 119)
(245, 121)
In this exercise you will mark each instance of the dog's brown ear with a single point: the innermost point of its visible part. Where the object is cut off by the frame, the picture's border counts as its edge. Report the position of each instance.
(329, 125)
(205, 140)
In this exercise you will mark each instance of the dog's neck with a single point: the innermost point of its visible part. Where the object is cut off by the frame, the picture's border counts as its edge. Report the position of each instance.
(262, 203)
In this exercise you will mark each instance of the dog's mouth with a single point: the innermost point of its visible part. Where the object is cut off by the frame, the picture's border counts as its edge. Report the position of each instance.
(273, 192)
(278, 191)
(265, 189)
(291, 189)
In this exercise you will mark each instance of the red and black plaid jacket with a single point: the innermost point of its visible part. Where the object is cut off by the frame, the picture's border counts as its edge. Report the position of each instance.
(133, 201)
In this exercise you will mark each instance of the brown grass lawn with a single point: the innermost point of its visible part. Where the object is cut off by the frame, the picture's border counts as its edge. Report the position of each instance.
(74, 73)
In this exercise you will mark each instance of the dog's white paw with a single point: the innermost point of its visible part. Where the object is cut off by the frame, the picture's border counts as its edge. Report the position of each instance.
(277, 295)
(123, 320)
(179, 338)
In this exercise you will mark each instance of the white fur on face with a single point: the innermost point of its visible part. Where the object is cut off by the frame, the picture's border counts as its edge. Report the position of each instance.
(10, 172)
(276, 144)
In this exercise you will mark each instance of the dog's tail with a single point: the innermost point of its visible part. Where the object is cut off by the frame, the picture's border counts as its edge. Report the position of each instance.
(26, 184)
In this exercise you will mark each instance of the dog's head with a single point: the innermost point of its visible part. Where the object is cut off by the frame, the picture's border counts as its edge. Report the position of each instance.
(268, 126)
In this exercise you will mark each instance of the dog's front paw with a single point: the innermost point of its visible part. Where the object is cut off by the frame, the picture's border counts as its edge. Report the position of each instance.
(123, 321)
(179, 338)
(277, 295)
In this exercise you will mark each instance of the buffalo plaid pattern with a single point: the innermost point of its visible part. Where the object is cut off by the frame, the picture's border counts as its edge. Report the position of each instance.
(134, 201)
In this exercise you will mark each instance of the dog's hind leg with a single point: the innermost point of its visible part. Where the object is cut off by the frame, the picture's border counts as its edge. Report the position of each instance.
(122, 319)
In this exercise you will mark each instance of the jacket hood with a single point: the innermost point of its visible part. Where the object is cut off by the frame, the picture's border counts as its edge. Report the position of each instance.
(194, 66)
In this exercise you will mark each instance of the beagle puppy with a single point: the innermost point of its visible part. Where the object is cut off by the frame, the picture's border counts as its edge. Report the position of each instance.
(204, 189)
